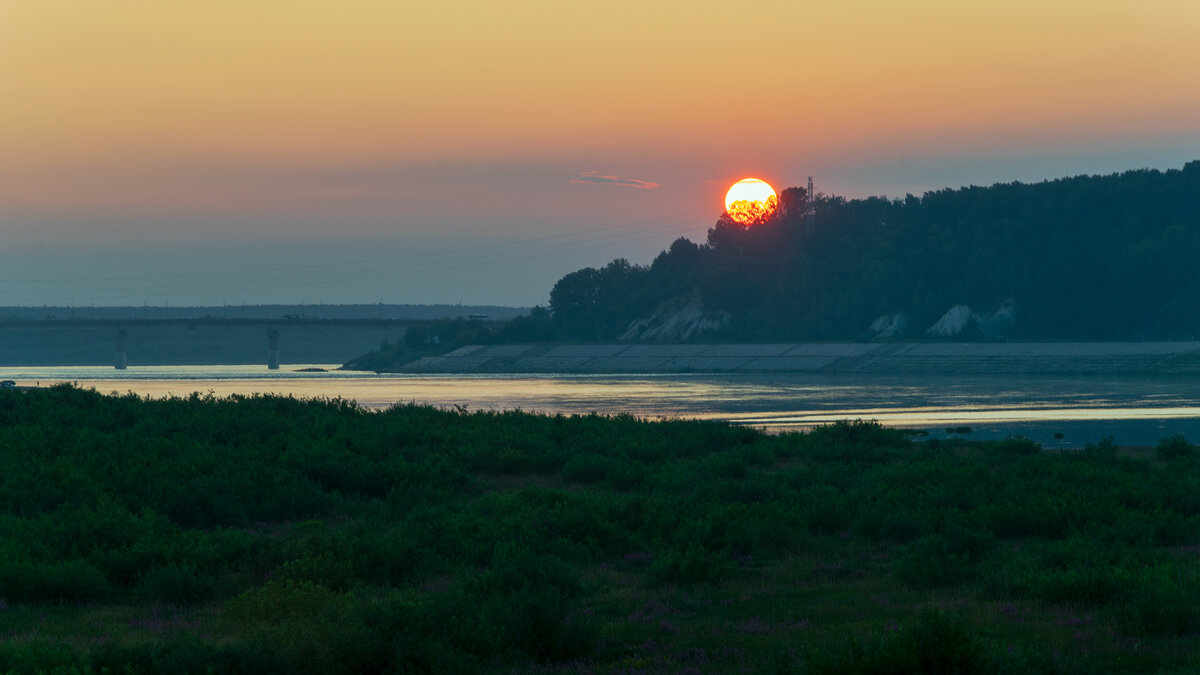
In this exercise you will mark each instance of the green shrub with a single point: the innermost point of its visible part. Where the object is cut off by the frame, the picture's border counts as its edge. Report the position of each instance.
(1080, 571)
(895, 524)
(177, 584)
(1175, 447)
(1018, 445)
(696, 565)
(71, 580)
(349, 475)
(279, 600)
(728, 466)
(37, 657)
(939, 644)
(177, 655)
(1021, 520)
(536, 622)
(945, 558)
(1151, 527)
(1161, 600)
(389, 558)
(935, 644)
(414, 651)
(860, 432)
(855, 441)
(308, 628)
(827, 510)
(128, 566)
(627, 475)
(586, 469)
(324, 569)
(1082, 587)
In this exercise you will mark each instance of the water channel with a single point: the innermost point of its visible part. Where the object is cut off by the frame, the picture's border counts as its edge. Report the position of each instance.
(1056, 411)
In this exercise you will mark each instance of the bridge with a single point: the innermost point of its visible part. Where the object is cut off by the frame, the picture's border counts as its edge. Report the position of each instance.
(193, 341)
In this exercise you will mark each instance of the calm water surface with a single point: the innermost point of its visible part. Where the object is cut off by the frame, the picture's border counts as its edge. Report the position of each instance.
(1134, 411)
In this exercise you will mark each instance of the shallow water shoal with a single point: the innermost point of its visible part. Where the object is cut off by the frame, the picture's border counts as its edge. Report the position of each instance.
(1135, 411)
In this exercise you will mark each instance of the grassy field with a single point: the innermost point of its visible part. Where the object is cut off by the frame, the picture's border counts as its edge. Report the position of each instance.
(268, 534)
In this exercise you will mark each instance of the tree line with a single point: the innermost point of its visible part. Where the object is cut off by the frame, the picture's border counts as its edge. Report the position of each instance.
(1090, 258)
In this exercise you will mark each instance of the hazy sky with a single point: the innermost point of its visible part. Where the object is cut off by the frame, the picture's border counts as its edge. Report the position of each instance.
(429, 152)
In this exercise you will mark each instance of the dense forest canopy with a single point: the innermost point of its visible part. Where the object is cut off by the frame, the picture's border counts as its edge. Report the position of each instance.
(1089, 257)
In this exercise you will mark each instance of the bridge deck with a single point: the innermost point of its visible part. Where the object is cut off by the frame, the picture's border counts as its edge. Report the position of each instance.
(207, 321)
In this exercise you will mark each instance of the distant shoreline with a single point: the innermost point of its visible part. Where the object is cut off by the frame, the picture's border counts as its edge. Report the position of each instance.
(893, 358)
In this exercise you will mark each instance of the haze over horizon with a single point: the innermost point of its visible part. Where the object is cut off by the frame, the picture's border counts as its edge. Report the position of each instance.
(259, 151)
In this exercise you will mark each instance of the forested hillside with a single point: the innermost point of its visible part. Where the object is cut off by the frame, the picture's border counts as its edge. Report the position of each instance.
(1091, 257)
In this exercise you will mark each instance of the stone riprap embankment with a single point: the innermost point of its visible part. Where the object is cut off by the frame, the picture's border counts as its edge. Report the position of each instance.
(1062, 358)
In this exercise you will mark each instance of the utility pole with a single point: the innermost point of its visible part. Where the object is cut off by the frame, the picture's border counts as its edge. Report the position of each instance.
(810, 208)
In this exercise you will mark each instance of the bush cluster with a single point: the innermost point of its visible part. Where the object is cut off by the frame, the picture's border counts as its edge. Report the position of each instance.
(266, 534)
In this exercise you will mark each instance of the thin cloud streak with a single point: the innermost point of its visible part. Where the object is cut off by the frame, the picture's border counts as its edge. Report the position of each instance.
(598, 178)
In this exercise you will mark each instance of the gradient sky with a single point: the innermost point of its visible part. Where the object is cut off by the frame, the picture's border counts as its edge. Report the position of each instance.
(370, 150)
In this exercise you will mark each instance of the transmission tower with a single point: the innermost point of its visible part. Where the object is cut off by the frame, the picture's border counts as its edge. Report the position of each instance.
(810, 208)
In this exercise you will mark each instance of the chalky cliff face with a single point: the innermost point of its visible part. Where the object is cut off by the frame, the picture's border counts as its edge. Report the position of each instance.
(680, 319)
(961, 320)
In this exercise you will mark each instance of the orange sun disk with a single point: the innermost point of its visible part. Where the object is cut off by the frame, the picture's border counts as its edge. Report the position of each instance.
(750, 201)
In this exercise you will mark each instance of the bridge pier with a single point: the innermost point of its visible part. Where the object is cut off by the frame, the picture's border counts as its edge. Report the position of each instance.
(273, 349)
(192, 340)
(119, 360)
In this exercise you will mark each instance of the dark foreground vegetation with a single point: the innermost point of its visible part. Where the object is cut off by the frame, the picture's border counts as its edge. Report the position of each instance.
(267, 534)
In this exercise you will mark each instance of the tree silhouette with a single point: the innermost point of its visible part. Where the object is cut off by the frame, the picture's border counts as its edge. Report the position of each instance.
(1089, 257)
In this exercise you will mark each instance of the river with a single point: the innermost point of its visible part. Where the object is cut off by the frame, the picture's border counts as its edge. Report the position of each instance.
(1056, 411)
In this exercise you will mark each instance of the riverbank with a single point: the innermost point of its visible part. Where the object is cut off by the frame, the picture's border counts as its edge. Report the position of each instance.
(1057, 411)
(917, 358)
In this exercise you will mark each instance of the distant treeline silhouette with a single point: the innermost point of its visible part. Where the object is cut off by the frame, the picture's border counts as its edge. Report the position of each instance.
(1091, 257)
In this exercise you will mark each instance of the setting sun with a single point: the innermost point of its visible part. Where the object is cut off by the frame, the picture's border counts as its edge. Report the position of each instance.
(750, 200)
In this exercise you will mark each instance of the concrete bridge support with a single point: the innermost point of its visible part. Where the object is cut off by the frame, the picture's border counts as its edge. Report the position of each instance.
(119, 360)
(191, 341)
(273, 349)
